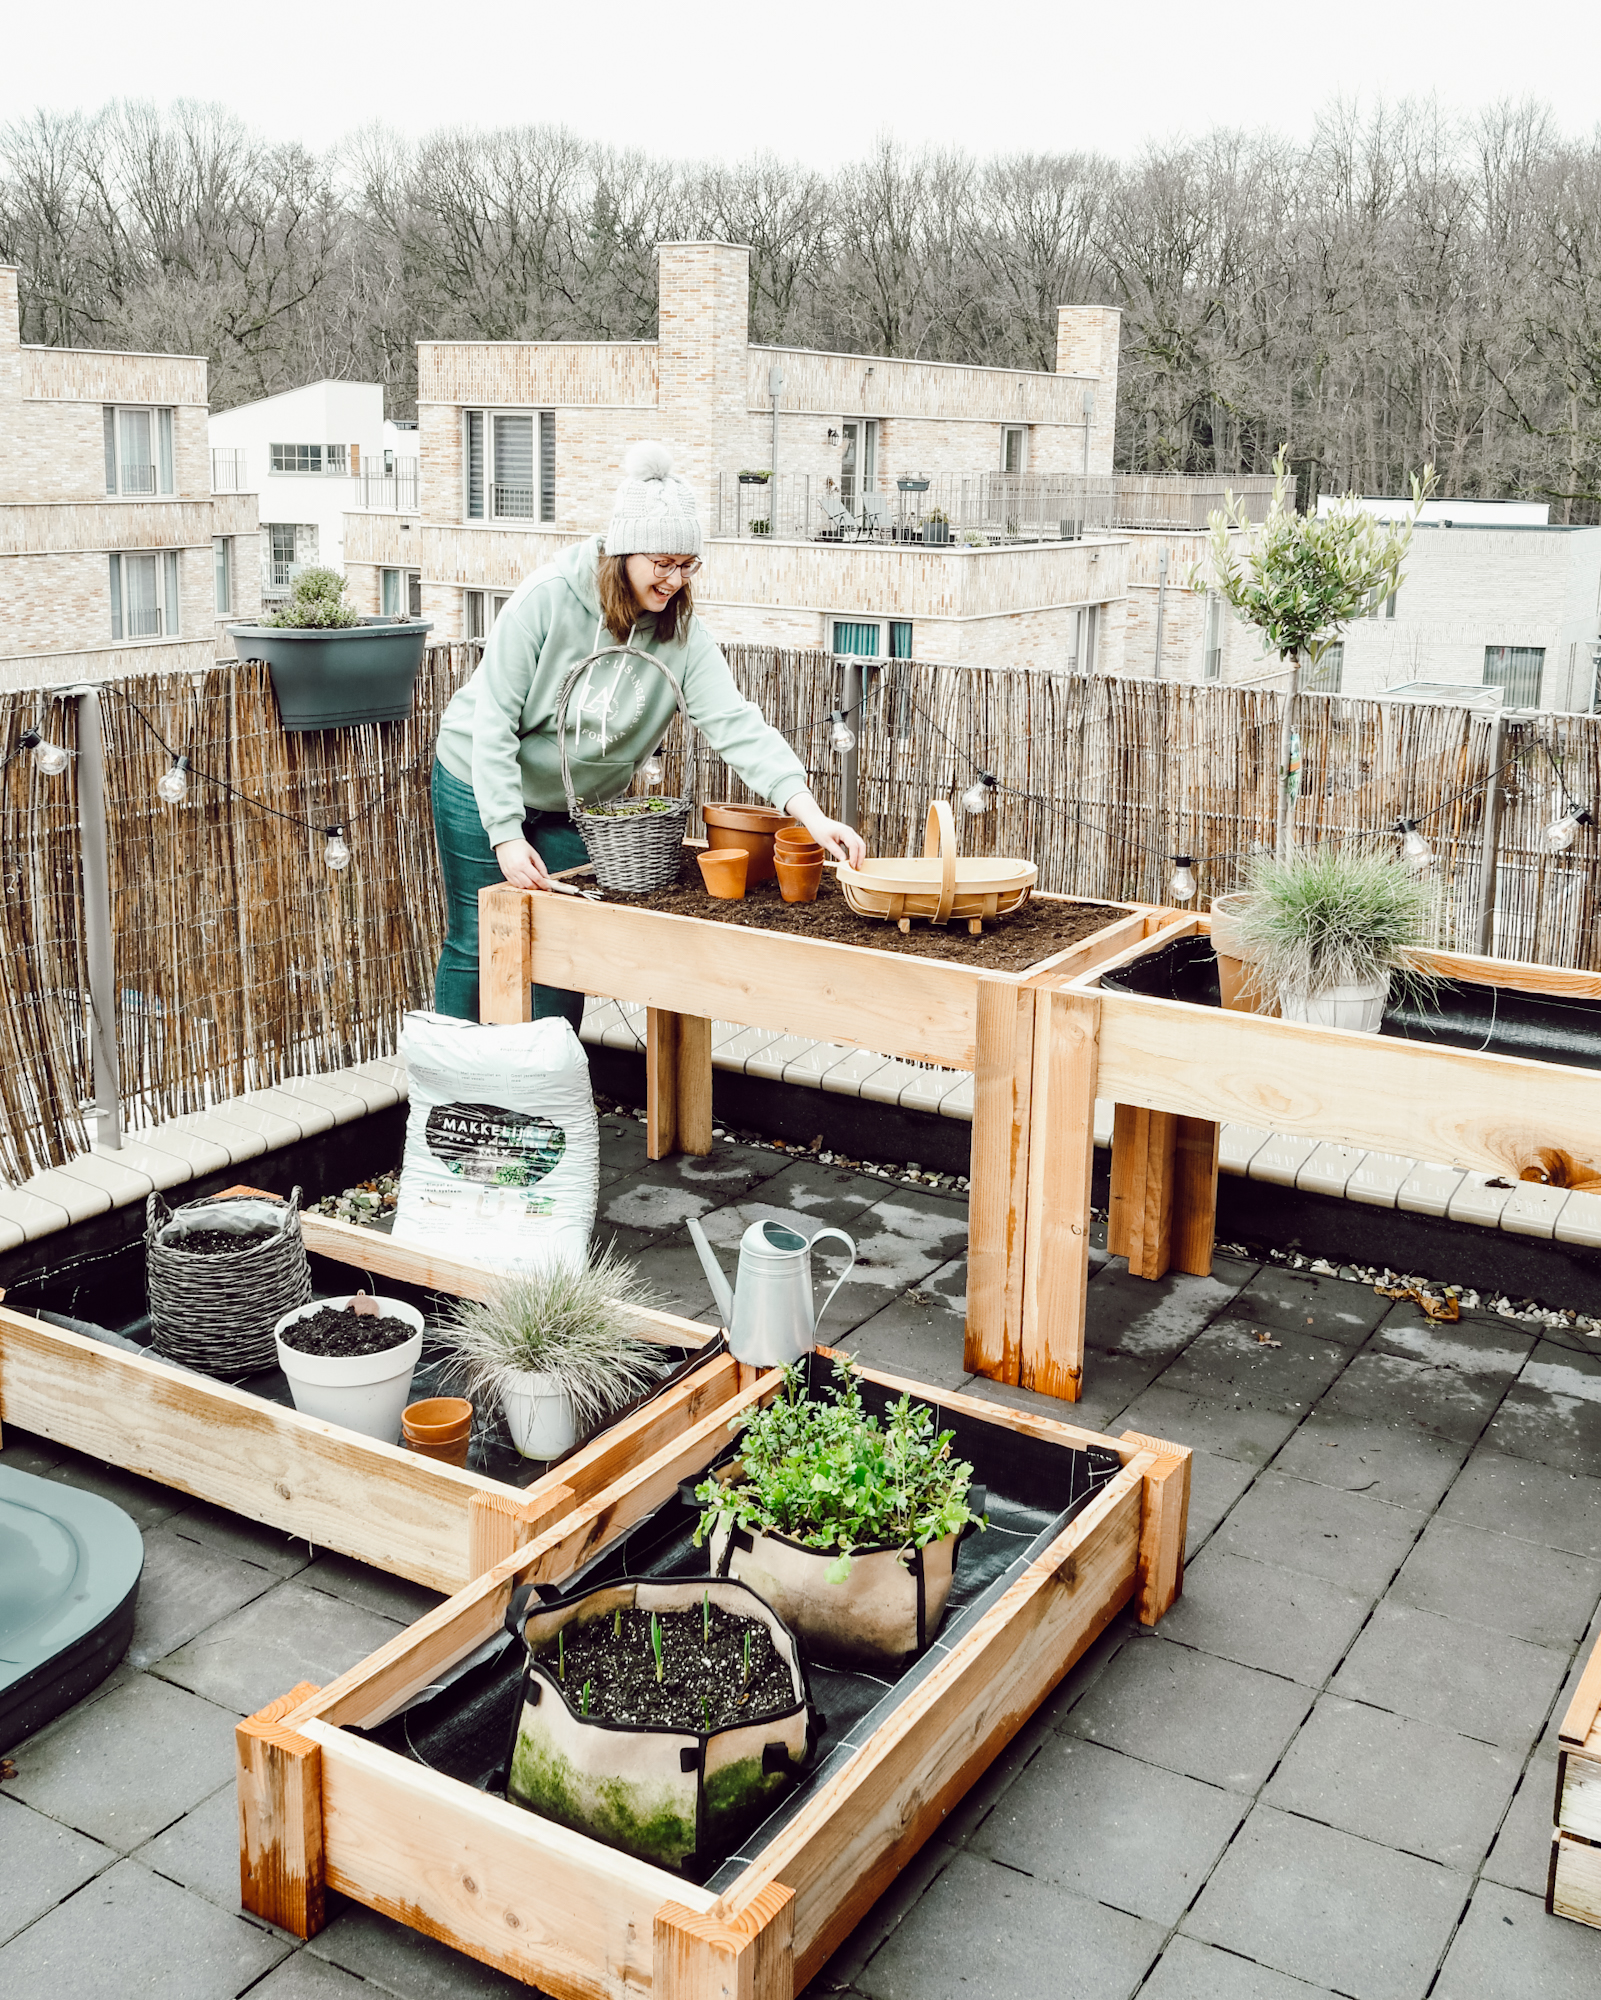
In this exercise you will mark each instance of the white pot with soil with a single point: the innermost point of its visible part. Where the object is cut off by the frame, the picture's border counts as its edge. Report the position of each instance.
(352, 1368)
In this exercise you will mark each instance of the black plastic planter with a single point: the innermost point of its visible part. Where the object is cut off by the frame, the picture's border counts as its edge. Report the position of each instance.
(334, 679)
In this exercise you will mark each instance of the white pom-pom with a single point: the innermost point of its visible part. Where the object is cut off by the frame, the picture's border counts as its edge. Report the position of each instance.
(647, 461)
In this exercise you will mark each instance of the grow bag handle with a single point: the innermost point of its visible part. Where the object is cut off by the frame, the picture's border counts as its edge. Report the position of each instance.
(517, 1607)
(939, 837)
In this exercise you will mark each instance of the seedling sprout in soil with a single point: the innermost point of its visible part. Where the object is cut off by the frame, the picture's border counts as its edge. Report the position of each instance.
(718, 1668)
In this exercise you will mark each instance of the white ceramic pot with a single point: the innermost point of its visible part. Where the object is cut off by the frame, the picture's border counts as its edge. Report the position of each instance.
(363, 1392)
(539, 1415)
(1357, 1008)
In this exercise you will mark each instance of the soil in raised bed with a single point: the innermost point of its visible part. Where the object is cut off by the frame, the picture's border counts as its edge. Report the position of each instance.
(336, 1330)
(1006, 944)
(703, 1685)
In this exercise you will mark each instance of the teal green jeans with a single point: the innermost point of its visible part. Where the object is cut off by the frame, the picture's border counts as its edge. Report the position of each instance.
(467, 863)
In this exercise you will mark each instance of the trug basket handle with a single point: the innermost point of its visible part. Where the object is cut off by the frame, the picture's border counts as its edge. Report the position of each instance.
(939, 837)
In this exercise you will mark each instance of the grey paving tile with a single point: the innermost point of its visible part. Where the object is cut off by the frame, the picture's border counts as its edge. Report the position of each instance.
(232, 1535)
(129, 1932)
(726, 1174)
(1552, 1413)
(125, 1764)
(622, 1144)
(1460, 1677)
(985, 1933)
(186, 1586)
(1154, 1319)
(1304, 1302)
(1191, 1971)
(40, 1863)
(1323, 1530)
(1242, 1431)
(920, 1334)
(1111, 1828)
(1111, 1381)
(1262, 1616)
(25, 1451)
(655, 1206)
(806, 1196)
(1287, 1372)
(1398, 1781)
(1491, 1349)
(901, 1242)
(1543, 1595)
(143, 1500)
(1328, 1908)
(373, 1589)
(841, 1972)
(673, 1269)
(201, 1850)
(1191, 1712)
(291, 1634)
(1409, 1468)
(1521, 1856)
(303, 1976)
(1538, 1503)
(1509, 1949)
(1215, 1485)
(1394, 1390)
(406, 1962)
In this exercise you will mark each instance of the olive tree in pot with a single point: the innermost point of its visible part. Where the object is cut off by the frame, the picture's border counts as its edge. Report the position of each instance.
(1326, 928)
(845, 1524)
(330, 666)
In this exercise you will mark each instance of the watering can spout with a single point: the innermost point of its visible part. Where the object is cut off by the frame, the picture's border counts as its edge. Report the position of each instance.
(721, 1295)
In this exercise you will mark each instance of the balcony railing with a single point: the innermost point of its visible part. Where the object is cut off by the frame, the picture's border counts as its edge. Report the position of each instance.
(228, 471)
(386, 492)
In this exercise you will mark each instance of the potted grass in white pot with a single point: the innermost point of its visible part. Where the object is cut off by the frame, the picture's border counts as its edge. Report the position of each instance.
(555, 1348)
(1327, 928)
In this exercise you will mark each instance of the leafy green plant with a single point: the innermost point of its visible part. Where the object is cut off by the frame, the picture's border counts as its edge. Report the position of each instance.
(761, 527)
(570, 1323)
(827, 1474)
(1334, 916)
(317, 604)
(937, 514)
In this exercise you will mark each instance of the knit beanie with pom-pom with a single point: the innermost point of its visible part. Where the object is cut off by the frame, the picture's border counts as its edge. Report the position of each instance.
(653, 513)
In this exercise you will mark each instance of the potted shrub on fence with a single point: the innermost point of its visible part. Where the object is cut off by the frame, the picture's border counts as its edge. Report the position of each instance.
(554, 1347)
(846, 1525)
(330, 666)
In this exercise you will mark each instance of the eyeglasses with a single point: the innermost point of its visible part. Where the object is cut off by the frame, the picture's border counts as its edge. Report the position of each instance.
(688, 568)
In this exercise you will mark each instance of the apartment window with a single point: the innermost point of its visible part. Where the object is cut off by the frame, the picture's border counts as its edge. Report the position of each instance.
(222, 570)
(400, 593)
(291, 546)
(144, 595)
(509, 465)
(334, 459)
(480, 609)
(900, 638)
(297, 458)
(859, 638)
(1326, 676)
(1518, 671)
(138, 450)
(1014, 448)
(858, 464)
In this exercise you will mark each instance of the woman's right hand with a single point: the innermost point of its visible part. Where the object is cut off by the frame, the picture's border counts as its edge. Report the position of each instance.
(521, 865)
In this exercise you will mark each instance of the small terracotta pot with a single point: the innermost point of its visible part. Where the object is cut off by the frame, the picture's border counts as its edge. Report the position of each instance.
(793, 835)
(805, 849)
(437, 1420)
(723, 872)
(753, 828)
(453, 1453)
(798, 881)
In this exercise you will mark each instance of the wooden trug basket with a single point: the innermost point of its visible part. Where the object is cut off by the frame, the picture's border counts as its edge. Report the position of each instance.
(940, 885)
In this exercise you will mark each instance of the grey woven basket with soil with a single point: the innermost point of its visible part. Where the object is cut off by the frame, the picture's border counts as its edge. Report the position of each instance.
(633, 852)
(216, 1311)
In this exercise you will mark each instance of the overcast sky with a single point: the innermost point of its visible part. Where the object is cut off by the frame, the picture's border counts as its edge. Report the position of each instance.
(810, 79)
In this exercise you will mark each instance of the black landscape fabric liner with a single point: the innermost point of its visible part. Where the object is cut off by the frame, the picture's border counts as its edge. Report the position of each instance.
(462, 1726)
(1449, 1013)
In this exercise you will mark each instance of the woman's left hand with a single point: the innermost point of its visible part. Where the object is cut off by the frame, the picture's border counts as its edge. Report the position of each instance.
(834, 836)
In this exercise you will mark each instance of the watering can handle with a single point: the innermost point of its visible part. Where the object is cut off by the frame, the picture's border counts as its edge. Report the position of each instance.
(851, 1247)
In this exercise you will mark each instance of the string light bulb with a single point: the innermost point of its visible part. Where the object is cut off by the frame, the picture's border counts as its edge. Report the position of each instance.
(1415, 850)
(841, 736)
(653, 770)
(49, 759)
(980, 795)
(1561, 833)
(336, 853)
(173, 786)
(1183, 885)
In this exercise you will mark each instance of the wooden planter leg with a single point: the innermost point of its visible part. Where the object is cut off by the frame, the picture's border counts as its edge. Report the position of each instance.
(1164, 1524)
(1195, 1195)
(997, 1202)
(1056, 1254)
(1140, 1228)
(745, 1955)
(280, 1818)
(678, 1084)
(505, 955)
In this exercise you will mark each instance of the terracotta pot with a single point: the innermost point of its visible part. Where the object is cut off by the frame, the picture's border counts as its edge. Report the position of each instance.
(801, 849)
(438, 1420)
(750, 827)
(798, 880)
(723, 872)
(453, 1453)
(1236, 981)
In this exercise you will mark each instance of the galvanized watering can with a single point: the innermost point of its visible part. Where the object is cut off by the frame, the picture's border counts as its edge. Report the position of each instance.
(769, 1313)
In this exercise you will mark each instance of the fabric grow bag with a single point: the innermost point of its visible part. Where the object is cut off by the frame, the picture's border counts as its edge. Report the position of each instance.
(671, 1796)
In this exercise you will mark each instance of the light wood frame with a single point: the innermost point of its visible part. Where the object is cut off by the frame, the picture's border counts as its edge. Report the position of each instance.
(1573, 1883)
(688, 972)
(1177, 1071)
(322, 1809)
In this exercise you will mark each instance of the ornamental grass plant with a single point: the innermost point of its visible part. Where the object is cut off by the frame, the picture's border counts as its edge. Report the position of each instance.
(1322, 917)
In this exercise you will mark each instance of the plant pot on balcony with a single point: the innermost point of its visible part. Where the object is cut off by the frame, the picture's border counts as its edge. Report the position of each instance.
(754, 478)
(333, 679)
(936, 531)
(913, 485)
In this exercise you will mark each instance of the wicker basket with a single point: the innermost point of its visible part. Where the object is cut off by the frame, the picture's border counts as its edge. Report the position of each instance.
(633, 853)
(217, 1313)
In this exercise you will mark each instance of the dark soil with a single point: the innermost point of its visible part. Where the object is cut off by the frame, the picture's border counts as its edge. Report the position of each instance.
(1006, 944)
(336, 1330)
(703, 1684)
(219, 1242)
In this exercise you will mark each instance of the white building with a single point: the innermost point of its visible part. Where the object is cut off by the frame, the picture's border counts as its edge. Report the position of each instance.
(311, 456)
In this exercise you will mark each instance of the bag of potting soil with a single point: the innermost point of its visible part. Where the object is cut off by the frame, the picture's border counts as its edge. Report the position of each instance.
(502, 1145)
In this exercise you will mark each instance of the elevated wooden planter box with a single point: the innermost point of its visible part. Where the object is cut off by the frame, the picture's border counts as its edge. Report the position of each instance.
(324, 1808)
(1573, 1887)
(689, 972)
(437, 1524)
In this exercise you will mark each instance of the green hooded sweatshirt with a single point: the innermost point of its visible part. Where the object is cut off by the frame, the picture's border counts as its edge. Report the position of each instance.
(499, 732)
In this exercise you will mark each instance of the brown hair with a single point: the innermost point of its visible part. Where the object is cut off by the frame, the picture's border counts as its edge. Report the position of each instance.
(620, 609)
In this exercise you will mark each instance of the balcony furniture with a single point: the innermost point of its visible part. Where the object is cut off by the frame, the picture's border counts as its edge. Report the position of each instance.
(842, 525)
(876, 516)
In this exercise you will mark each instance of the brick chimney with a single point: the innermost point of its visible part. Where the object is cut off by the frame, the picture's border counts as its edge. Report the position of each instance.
(1086, 344)
(702, 339)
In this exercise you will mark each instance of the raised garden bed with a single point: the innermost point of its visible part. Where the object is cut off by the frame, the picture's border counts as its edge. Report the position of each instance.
(1573, 1887)
(329, 1799)
(904, 999)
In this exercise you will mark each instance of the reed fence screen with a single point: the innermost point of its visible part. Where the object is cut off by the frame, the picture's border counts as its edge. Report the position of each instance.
(241, 959)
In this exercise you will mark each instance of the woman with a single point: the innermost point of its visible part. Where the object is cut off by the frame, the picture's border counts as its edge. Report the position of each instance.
(499, 808)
